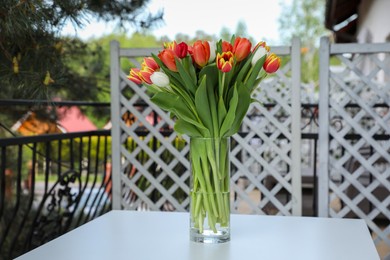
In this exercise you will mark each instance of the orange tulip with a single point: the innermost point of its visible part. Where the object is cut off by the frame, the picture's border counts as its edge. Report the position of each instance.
(134, 76)
(167, 56)
(241, 48)
(225, 61)
(226, 46)
(272, 63)
(201, 52)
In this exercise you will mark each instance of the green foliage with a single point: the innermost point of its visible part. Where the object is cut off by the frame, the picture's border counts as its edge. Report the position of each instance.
(305, 20)
(34, 59)
(36, 63)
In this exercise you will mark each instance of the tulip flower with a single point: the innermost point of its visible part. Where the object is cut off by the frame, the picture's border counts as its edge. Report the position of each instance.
(226, 46)
(134, 76)
(170, 45)
(150, 63)
(201, 52)
(167, 56)
(145, 74)
(225, 61)
(241, 48)
(212, 52)
(159, 79)
(181, 50)
(272, 63)
(260, 50)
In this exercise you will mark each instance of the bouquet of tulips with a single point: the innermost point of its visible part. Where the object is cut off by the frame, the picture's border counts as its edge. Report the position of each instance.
(207, 88)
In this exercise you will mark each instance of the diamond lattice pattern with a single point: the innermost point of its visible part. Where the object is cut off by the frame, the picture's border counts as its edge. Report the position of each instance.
(359, 148)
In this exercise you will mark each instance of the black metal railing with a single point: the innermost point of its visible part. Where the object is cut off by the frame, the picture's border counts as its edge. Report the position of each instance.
(50, 184)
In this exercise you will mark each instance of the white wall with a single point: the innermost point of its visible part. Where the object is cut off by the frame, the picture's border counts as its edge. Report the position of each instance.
(374, 21)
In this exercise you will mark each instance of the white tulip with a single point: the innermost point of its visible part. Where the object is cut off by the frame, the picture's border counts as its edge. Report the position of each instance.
(160, 79)
(212, 51)
(260, 52)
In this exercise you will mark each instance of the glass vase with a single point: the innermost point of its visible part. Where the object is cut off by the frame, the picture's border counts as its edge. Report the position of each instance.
(210, 190)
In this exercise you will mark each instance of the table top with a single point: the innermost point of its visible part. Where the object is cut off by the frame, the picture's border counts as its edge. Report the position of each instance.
(165, 235)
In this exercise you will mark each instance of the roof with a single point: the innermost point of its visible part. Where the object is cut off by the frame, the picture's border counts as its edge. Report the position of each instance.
(341, 17)
(32, 124)
(73, 120)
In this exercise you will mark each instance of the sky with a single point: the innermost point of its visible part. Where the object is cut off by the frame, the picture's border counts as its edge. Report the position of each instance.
(210, 16)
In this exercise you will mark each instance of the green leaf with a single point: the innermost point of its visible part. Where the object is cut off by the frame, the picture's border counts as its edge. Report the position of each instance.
(221, 111)
(202, 104)
(255, 73)
(182, 111)
(183, 127)
(244, 69)
(165, 100)
(244, 98)
(211, 94)
(186, 78)
(211, 71)
(188, 65)
(231, 114)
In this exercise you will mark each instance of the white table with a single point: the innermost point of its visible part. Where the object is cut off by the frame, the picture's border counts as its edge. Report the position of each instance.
(165, 235)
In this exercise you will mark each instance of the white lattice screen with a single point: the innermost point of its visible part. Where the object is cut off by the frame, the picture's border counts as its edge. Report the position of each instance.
(354, 174)
(150, 165)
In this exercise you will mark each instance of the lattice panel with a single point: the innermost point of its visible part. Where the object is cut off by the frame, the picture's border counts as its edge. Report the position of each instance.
(265, 151)
(154, 164)
(359, 145)
(154, 158)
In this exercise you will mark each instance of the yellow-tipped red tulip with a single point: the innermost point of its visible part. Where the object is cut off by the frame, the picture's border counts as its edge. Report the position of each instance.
(263, 45)
(201, 52)
(145, 74)
(134, 76)
(167, 56)
(272, 63)
(150, 63)
(225, 61)
(241, 48)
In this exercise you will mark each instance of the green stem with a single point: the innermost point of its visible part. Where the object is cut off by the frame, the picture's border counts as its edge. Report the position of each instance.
(188, 100)
(211, 196)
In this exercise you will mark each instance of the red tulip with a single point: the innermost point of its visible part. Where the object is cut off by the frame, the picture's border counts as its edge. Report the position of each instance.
(181, 50)
(167, 56)
(225, 61)
(134, 76)
(241, 48)
(201, 52)
(272, 63)
(226, 46)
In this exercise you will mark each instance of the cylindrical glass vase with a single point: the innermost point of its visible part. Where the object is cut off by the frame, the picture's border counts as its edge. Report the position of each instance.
(210, 190)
